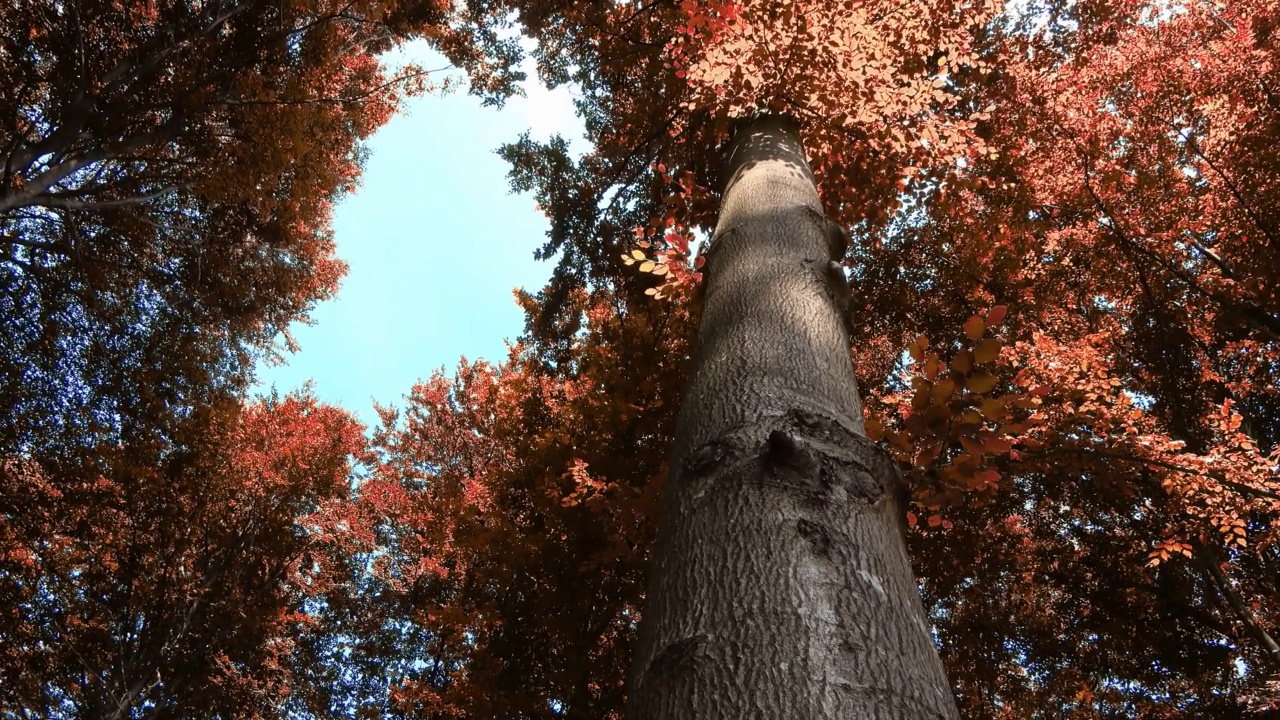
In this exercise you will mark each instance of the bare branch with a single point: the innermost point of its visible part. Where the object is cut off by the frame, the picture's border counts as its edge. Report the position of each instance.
(1214, 566)
(332, 100)
(68, 202)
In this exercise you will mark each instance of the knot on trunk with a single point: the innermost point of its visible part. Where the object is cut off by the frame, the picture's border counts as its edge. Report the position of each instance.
(829, 461)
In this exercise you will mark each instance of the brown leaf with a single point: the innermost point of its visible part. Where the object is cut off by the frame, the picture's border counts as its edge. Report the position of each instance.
(974, 327)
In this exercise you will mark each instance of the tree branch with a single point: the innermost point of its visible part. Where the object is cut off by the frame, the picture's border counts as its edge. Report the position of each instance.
(1262, 320)
(334, 100)
(1216, 477)
(1210, 561)
(67, 202)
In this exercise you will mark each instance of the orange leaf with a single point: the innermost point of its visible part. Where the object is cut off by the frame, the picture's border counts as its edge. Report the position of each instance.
(920, 400)
(986, 351)
(997, 446)
(928, 454)
(875, 429)
(931, 367)
(992, 408)
(981, 382)
(974, 327)
(917, 348)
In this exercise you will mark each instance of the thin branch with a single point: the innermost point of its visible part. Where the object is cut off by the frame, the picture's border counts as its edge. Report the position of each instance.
(35, 244)
(1264, 321)
(1217, 477)
(69, 203)
(1223, 266)
(1235, 191)
(1211, 563)
(335, 101)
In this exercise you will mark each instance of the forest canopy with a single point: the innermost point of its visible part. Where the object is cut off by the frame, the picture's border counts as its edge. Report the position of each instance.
(863, 301)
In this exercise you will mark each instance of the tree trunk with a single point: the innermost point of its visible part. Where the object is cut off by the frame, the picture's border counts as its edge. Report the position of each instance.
(780, 586)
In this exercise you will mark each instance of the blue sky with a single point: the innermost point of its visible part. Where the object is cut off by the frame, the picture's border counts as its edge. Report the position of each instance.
(435, 242)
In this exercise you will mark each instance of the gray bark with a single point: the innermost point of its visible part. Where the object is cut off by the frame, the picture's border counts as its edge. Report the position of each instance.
(780, 586)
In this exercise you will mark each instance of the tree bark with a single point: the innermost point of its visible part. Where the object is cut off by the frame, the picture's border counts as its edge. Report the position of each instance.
(780, 586)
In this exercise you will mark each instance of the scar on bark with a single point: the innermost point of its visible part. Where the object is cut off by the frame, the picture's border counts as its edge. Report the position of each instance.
(675, 657)
(818, 537)
(837, 236)
(784, 449)
(704, 459)
(836, 285)
(837, 240)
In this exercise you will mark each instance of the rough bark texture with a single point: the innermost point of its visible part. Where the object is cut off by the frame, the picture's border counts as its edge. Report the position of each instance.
(781, 586)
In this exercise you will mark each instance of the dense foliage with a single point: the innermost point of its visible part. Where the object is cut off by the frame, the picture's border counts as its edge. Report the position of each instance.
(176, 584)
(1062, 212)
(1065, 318)
(169, 173)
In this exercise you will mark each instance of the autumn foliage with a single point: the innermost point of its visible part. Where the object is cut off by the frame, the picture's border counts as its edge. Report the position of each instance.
(169, 170)
(516, 502)
(179, 581)
(168, 175)
(1062, 301)
(1065, 240)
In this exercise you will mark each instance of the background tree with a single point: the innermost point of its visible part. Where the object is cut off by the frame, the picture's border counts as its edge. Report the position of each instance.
(508, 518)
(183, 582)
(169, 170)
(1147, 476)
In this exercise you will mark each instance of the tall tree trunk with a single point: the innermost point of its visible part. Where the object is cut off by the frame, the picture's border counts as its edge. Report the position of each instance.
(780, 585)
